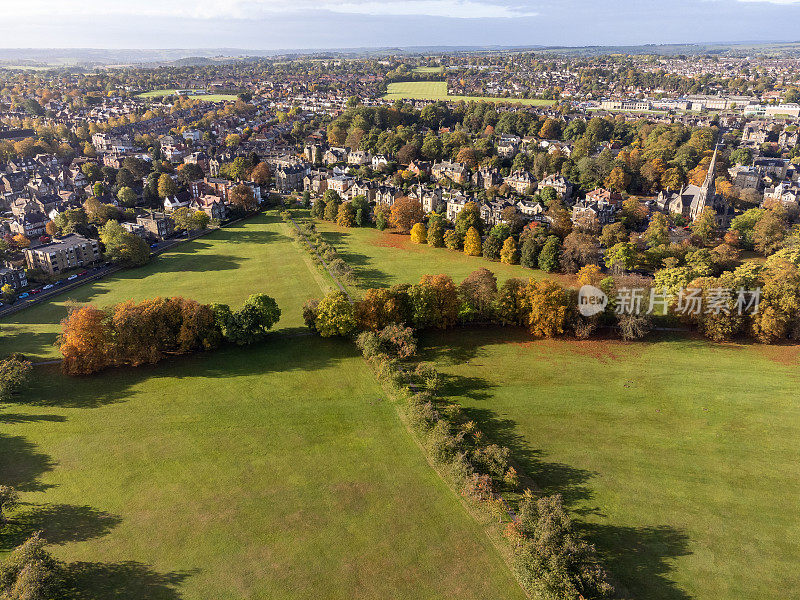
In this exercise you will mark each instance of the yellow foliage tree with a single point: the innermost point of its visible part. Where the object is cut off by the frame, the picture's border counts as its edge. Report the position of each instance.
(509, 254)
(419, 234)
(589, 275)
(472, 243)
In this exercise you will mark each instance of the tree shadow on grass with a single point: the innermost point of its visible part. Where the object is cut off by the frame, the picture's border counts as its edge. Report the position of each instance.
(180, 264)
(368, 275)
(59, 524)
(276, 354)
(21, 464)
(127, 580)
(639, 558)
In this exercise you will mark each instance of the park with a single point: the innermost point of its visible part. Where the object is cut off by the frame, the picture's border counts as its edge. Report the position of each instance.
(286, 469)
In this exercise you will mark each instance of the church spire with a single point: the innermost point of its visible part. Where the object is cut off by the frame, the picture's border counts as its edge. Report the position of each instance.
(709, 189)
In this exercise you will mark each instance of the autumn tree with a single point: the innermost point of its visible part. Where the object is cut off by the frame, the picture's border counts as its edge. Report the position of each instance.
(434, 301)
(405, 213)
(335, 315)
(261, 174)
(346, 215)
(705, 225)
(547, 304)
(472, 243)
(84, 341)
(419, 235)
(166, 186)
(509, 254)
(477, 294)
(242, 196)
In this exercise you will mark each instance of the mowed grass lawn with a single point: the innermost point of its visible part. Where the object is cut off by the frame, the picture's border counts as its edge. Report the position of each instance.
(679, 456)
(273, 471)
(437, 90)
(276, 471)
(256, 255)
(384, 258)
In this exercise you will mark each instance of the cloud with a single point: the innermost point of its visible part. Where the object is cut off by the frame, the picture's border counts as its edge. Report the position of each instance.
(248, 9)
(454, 9)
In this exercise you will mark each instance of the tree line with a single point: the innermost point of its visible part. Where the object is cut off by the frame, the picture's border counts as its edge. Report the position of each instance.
(135, 333)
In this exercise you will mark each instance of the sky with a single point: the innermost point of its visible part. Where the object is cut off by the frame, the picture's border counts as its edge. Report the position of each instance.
(282, 24)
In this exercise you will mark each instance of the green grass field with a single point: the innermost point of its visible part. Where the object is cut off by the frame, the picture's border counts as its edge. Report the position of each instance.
(437, 90)
(382, 258)
(224, 266)
(274, 471)
(678, 455)
(277, 471)
(429, 69)
(208, 97)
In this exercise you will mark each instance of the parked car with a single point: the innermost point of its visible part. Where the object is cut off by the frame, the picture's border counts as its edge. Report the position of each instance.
(36, 291)
(49, 286)
(72, 278)
(82, 273)
(23, 295)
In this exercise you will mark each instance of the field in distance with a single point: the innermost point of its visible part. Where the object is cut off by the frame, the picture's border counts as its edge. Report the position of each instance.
(437, 90)
(207, 97)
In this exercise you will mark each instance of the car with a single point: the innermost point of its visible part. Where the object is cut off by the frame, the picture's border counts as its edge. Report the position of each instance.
(23, 295)
(153, 246)
(82, 273)
(72, 278)
(36, 291)
(49, 286)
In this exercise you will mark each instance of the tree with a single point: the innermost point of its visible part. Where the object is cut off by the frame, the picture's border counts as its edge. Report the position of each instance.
(126, 197)
(434, 301)
(250, 323)
(477, 293)
(590, 275)
(469, 217)
(13, 375)
(491, 247)
(419, 235)
(9, 499)
(182, 217)
(346, 216)
(579, 249)
(769, 232)
(657, 232)
(547, 303)
(509, 254)
(20, 241)
(261, 174)
(166, 186)
(510, 302)
(335, 315)
(529, 255)
(435, 233)
(382, 215)
(550, 255)
(613, 233)
(124, 246)
(705, 225)
(452, 241)
(472, 243)
(98, 212)
(405, 213)
(84, 341)
(242, 196)
(29, 572)
(621, 256)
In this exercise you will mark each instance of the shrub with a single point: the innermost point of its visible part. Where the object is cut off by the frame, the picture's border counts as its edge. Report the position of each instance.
(14, 374)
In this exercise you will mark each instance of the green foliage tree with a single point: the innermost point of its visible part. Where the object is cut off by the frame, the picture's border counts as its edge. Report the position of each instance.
(550, 255)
